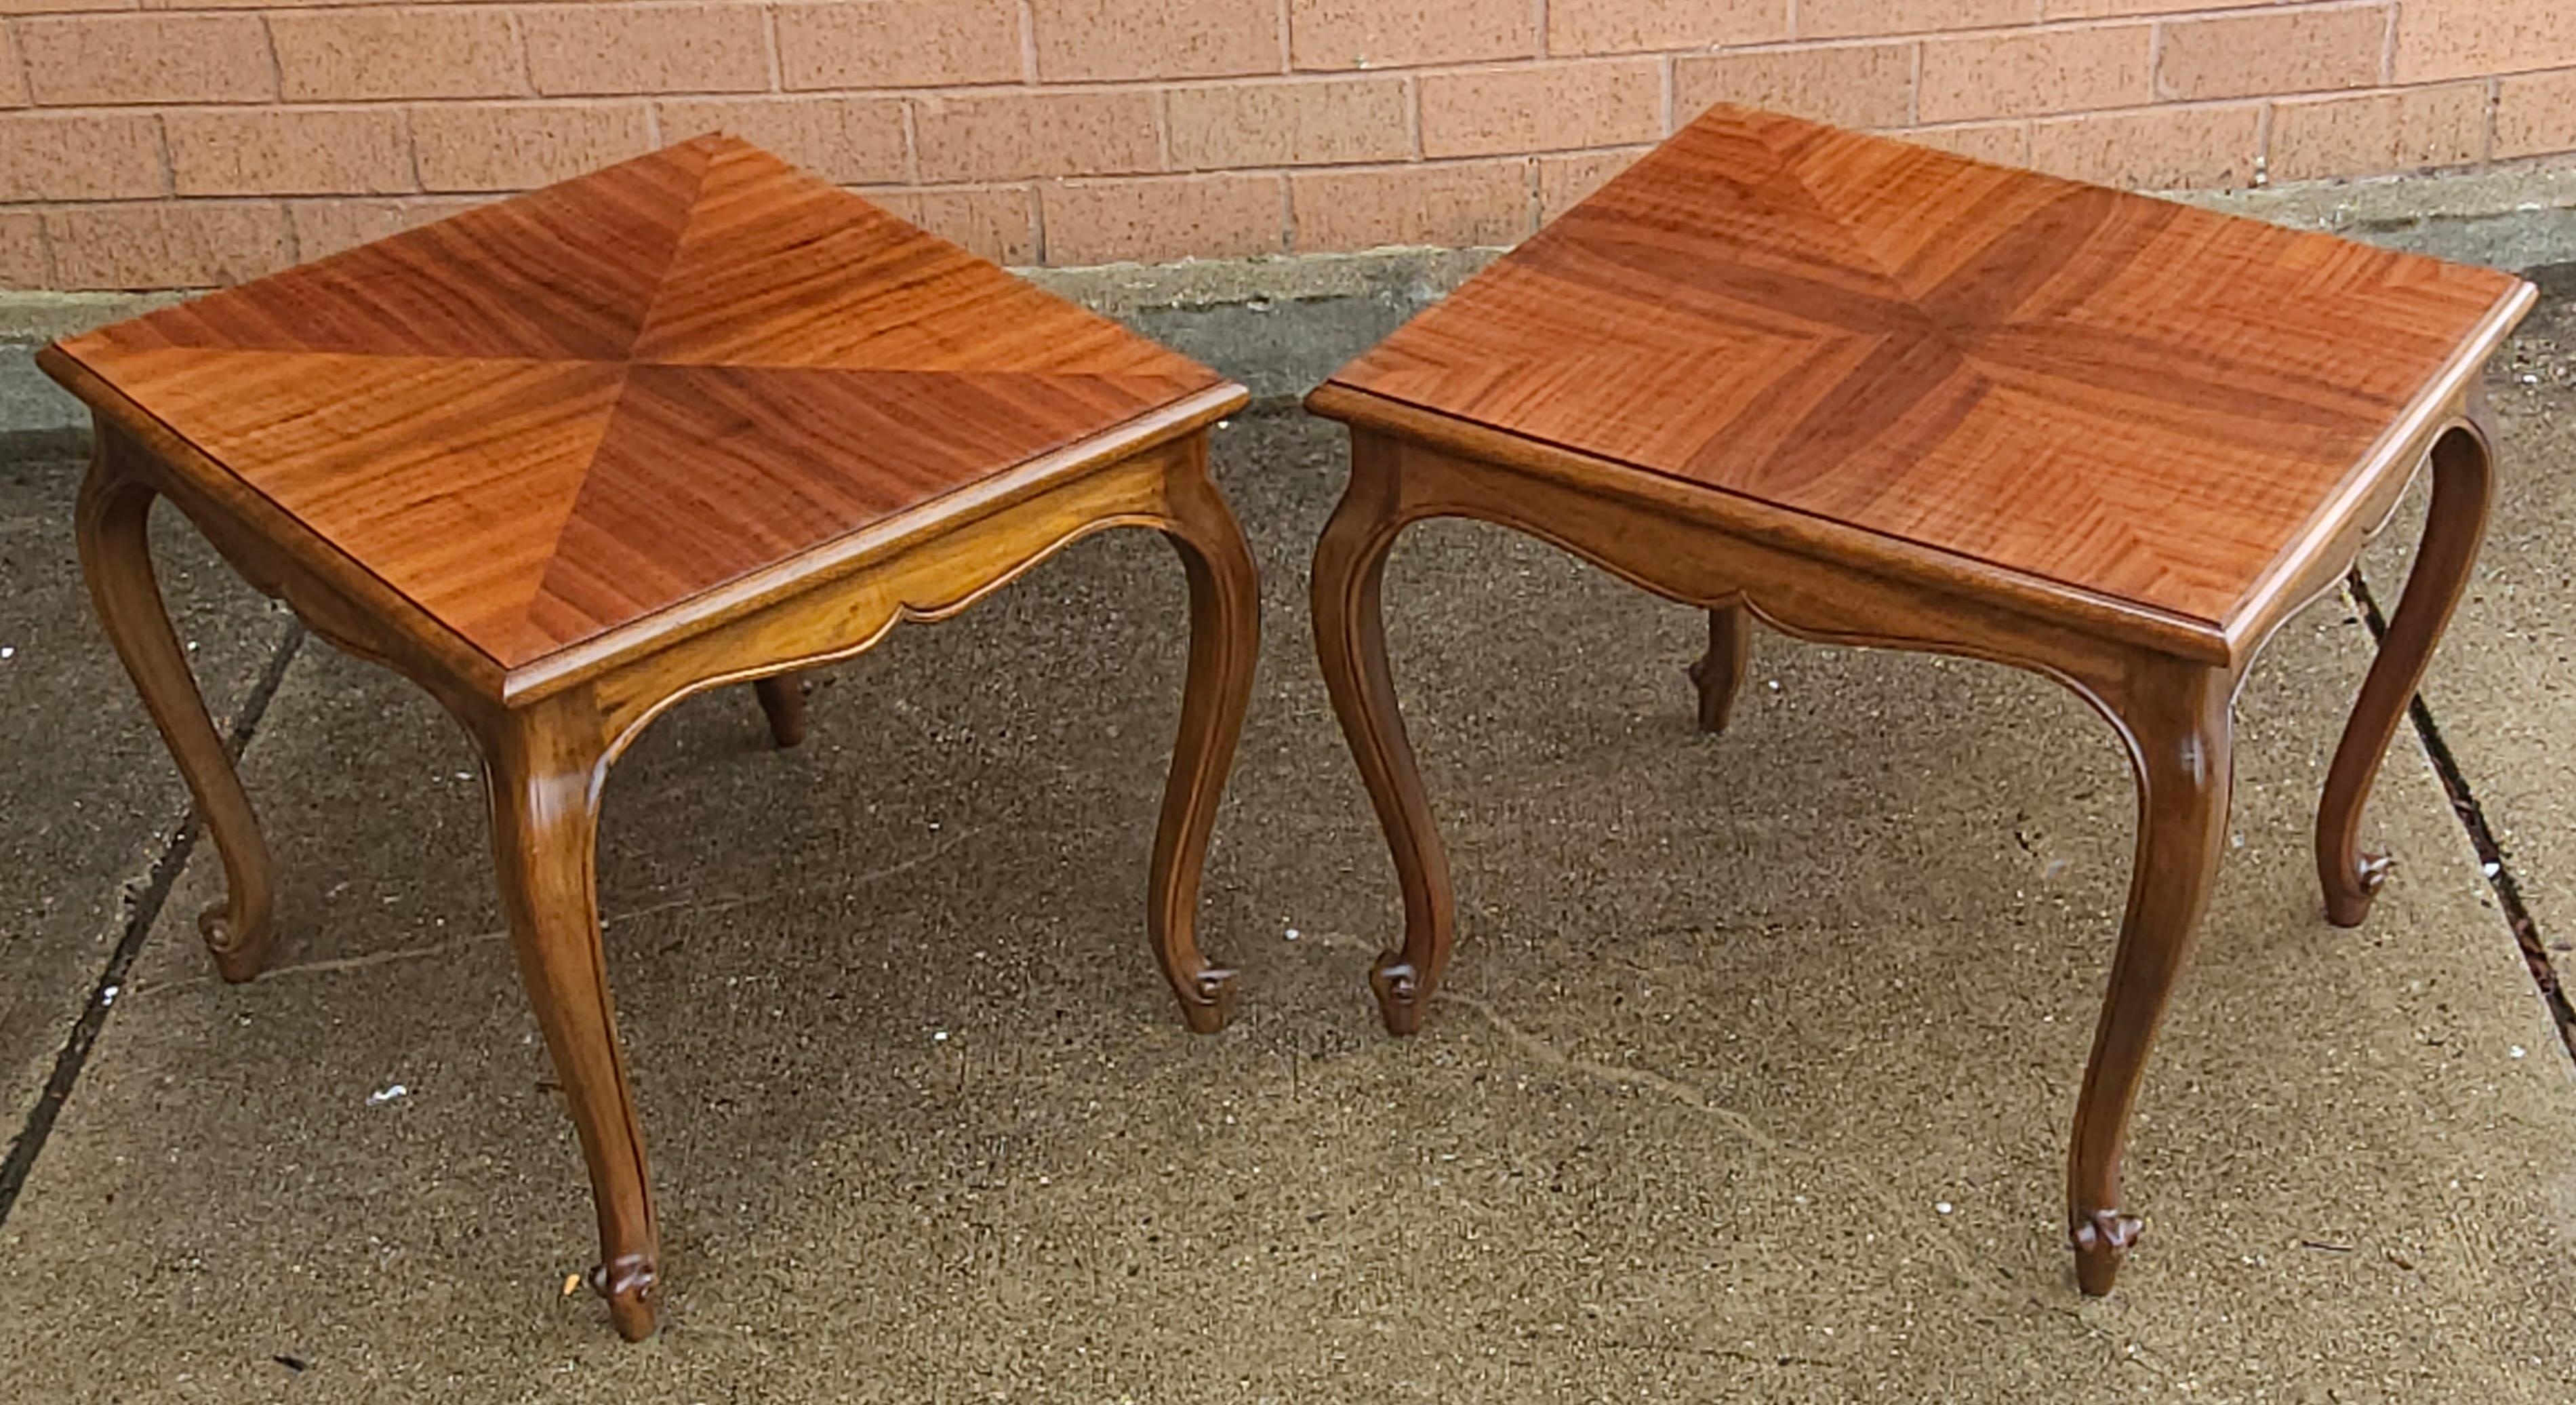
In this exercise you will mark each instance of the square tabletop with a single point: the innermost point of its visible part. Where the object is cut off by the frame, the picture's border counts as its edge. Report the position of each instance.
(2144, 402)
(547, 418)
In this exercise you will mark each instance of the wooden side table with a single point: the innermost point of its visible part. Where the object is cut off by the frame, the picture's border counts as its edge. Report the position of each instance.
(1868, 393)
(696, 419)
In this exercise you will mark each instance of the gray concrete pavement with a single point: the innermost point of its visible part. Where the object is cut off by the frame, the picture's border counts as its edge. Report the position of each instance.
(1732, 1022)
(92, 800)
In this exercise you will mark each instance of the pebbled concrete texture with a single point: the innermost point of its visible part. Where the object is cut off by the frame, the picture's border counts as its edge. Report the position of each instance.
(1732, 1021)
(92, 798)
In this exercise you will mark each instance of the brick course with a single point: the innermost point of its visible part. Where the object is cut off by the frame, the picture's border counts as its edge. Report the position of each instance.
(172, 143)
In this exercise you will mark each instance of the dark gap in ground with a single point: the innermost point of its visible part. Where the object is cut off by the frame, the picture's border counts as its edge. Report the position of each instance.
(2491, 856)
(146, 911)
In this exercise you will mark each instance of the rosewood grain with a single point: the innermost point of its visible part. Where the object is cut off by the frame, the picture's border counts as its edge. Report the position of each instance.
(1868, 393)
(696, 420)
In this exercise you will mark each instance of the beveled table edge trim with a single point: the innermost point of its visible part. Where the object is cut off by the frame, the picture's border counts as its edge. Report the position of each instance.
(2409, 434)
(961, 506)
(1824, 539)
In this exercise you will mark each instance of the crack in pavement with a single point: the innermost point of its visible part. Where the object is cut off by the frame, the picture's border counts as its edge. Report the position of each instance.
(2491, 856)
(140, 919)
(1690, 1095)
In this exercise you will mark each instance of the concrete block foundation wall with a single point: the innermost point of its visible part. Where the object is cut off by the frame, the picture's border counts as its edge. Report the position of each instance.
(152, 144)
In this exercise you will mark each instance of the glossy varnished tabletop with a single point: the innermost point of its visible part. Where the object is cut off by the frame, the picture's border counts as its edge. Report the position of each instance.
(548, 419)
(2075, 392)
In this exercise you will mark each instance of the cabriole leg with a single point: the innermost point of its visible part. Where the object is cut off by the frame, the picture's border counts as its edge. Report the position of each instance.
(2176, 717)
(1225, 638)
(1350, 643)
(782, 701)
(1720, 672)
(543, 767)
(2463, 486)
(116, 560)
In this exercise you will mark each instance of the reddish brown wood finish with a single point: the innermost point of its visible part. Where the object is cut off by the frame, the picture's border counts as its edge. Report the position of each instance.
(696, 420)
(505, 388)
(1873, 394)
(2137, 400)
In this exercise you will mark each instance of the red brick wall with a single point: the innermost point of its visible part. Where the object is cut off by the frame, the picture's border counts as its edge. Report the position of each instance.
(163, 143)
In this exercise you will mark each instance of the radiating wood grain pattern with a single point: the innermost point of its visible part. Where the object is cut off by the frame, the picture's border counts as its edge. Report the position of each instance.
(694, 421)
(2111, 393)
(550, 417)
(1869, 394)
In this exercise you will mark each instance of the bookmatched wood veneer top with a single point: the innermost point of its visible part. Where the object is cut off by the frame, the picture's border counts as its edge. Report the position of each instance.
(2140, 400)
(552, 416)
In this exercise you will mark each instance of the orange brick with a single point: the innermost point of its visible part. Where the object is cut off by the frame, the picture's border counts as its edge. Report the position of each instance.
(617, 49)
(343, 55)
(114, 60)
(13, 74)
(187, 244)
(1376, 34)
(850, 141)
(2124, 9)
(2536, 116)
(1157, 38)
(23, 260)
(1017, 135)
(1854, 85)
(899, 43)
(58, 7)
(1636, 26)
(2017, 75)
(2003, 143)
(44, 156)
(1309, 122)
(2298, 51)
(1552, 107)
(519, 146)
(1855, 19)
(998, 223)
(1154, 220)
(2473, 38)
(2155, 149)
(2379, 132)
(1564, 181)
(325, 227)
(1459, 204)
(360, 151)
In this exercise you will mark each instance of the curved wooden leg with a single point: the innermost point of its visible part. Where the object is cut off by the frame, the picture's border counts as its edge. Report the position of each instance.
(2181, 740)
(2463, 486)
(1350, 643)
(782, 700)
(1720, 672)
(1225, 638)
(116, 560)
(543, 767)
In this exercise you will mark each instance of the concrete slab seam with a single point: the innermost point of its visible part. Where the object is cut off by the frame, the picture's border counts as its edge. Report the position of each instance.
(157, 883)
(2491, 855)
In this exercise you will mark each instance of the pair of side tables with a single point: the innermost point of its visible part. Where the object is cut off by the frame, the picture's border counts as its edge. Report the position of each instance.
(702, 419)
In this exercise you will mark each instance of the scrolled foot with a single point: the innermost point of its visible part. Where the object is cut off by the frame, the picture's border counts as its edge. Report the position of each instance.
(627, 1283)
(1207, 1000)
(2101, 1239)
(1400, 996)
(2348, 904)
(239, 948)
